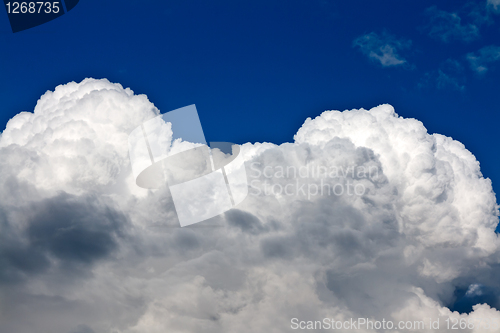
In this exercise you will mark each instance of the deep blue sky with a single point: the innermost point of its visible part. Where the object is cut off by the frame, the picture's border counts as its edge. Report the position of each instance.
(257, 69)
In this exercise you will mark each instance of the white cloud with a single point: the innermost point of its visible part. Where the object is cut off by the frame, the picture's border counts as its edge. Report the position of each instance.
(479, 61)
(383, 48)
(448, 26)
(82, 249)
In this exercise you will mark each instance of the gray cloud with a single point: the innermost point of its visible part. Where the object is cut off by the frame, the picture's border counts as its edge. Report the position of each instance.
(82, 329)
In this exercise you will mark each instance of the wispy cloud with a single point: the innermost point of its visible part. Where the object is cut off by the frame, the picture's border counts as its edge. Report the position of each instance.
(494, 4)
(485, 56)
(448, 26)
(479, 13)
(383, 48)
(450, 75)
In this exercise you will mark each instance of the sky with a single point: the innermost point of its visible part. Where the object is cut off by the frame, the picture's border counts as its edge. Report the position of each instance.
(83, 249)
(268, 65)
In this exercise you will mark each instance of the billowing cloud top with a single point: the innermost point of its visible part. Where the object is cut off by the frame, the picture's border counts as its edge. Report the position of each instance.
(365, 215)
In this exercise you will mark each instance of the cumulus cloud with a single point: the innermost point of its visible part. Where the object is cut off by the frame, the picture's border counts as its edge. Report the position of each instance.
(448, 26)
(383, 48)
(480, 60)
(83, 249)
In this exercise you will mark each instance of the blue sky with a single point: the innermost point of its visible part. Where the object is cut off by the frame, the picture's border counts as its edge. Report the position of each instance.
(257, 69)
